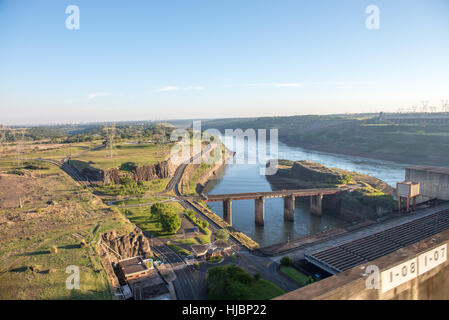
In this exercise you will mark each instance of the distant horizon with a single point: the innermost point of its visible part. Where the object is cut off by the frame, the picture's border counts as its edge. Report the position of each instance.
(207, 119)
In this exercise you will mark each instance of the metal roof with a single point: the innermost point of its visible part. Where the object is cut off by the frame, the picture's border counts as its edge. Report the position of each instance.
(348, 255)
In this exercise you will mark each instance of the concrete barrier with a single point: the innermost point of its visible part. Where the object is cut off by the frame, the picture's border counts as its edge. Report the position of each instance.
(415, 272)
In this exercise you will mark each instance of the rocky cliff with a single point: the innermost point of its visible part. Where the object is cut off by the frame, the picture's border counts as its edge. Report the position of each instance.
(160, 170)
(127, 246)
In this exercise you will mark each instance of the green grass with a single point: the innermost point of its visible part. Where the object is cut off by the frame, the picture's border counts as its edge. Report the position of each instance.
(215, 259)
(178, 249)
(204, 239)
(139, 201)
(234, 283)
(188, 241)
(144, 219)
(157, 185)
(190, 215)
(193, 181)
(265, 290)
(140, 154)
(296, 275)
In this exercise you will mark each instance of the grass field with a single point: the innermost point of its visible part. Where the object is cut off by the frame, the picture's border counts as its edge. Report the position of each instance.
(56, 213)
(144, 219)
(188, 241)
(296, 275)
(140, 154)
(50, 151)
(234, 283)
(178, 249)
(139, 201)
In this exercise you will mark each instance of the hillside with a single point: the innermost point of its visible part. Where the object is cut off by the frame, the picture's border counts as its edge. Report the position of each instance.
(407, 139)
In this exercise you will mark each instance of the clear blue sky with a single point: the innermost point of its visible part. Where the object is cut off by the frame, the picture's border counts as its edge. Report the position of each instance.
(167, 59)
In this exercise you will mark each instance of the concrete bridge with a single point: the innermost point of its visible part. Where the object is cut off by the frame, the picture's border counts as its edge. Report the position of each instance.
(316, 198)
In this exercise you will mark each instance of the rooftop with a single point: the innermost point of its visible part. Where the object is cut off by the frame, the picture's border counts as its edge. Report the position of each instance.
(133, 265)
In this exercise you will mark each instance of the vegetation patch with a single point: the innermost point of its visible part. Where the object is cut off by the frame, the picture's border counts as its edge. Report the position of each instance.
(233, 283)
(188, 241)
(178, 249)
(296, 275)
(201, 224)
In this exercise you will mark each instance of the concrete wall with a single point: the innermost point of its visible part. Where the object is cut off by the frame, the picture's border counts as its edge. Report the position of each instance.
(351, 284)
(433, 185)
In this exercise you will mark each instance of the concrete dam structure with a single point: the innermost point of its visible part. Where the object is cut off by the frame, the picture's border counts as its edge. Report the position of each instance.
(434, 181)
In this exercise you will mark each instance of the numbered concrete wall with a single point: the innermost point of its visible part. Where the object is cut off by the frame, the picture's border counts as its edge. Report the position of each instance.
(355, 284)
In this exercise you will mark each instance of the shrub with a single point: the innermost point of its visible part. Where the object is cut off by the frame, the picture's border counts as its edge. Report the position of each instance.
(222, 234)
(286, 261)
(128, 166)
(257, 276)
(53, 249)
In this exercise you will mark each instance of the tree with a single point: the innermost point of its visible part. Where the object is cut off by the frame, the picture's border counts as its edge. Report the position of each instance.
(222, 234)
(286, 261)
(170, 220)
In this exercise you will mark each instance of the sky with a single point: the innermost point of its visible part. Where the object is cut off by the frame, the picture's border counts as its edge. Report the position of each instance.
(184, 59)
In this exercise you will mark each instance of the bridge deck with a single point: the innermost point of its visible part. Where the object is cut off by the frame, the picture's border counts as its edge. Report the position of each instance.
(273, 194)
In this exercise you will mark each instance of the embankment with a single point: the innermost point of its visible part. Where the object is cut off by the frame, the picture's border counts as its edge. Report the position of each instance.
(197, 176)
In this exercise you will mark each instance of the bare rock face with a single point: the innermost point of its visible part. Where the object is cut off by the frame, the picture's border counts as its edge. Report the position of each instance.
(128, 246)
(111, 176)
(161, 170)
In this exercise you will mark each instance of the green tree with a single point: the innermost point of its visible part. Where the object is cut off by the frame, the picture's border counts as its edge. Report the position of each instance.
(222, 234)
(170, 220)
(286, 261)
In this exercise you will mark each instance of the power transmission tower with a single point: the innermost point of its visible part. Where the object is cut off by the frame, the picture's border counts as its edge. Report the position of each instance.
(19, 136)
(445, 105)
(424, 106)
(2, 136)
(110, 134)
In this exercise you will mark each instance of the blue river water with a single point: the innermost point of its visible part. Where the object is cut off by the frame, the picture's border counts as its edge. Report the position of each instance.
(247, 178)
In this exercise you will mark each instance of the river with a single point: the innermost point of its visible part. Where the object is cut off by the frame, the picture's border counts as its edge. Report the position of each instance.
(247, 178)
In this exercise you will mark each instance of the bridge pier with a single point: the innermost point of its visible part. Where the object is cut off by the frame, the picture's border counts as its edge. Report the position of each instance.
(316, 204)
(289, 208)
(227, 211)
(259, 210)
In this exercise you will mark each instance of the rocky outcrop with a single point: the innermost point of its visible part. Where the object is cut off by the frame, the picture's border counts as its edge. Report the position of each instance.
(161, 170)
(371, 201)
(111, 176)
(127, 246)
